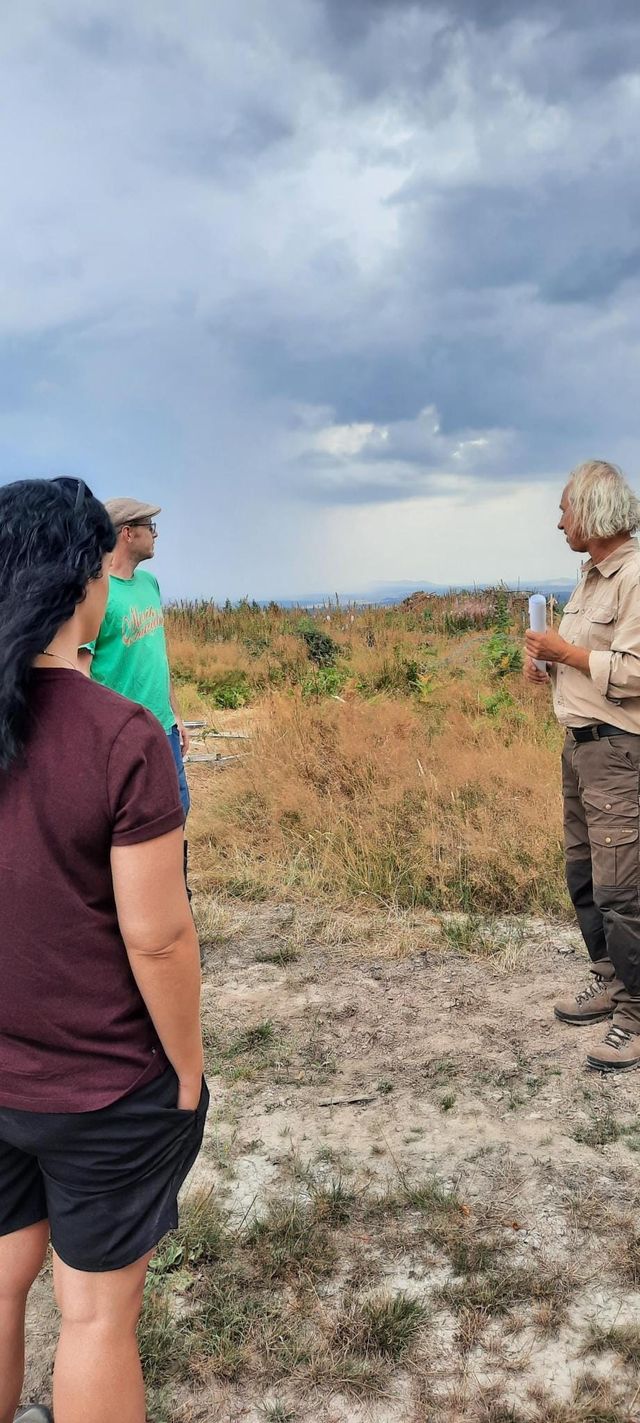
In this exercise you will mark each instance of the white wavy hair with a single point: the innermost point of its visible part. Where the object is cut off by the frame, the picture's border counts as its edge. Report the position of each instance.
(602, 502)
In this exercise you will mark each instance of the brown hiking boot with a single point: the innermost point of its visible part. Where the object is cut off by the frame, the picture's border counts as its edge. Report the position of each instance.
(592, 1005)
(620, 1051)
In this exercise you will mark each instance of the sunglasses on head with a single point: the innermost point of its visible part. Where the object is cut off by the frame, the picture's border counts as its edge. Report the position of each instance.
(77, 487)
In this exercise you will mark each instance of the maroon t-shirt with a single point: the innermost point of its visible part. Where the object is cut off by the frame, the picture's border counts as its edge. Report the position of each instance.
(97, 771)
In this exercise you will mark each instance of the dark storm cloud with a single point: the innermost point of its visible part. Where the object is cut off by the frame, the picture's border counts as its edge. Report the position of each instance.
(252, 254)
(352, 18)
(511, 301)
(551, 235)
(404, 46)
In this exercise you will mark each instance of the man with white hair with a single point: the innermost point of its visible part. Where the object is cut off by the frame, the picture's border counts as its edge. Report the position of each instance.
(593, 663)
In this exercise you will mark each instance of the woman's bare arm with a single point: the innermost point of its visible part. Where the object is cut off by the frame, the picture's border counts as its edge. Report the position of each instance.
(162, 946)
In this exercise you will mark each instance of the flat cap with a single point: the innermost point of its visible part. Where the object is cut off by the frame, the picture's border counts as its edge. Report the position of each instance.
(128, 511)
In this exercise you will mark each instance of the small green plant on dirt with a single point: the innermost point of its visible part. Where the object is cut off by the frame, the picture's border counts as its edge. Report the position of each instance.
(442, 1071)
(232, 1314)
(448, 1103)
(385, 1325)
(496, 1292)
(164, 1343)
(602, 1130)
(494, 1410)
(200, 1238)
(594, 1400)
(290, 1241)
(626, 1255)
(620, 1339)
(283, 955)
(501, 942)
(255, 1039)
(332, 1201)
(447, 1223)
(385, 1087)
(462, 932)
(350, 1373)
(431, 1196)
(277, 1412)
(630, 1135)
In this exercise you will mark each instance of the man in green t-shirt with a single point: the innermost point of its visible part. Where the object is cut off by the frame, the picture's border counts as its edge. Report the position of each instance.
(130, 651)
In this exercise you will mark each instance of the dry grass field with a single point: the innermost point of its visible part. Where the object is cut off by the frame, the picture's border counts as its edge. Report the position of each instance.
(396, 758)
(414, 1205)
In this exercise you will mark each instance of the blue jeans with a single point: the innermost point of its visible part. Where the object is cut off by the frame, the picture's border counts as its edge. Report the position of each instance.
(174, 742)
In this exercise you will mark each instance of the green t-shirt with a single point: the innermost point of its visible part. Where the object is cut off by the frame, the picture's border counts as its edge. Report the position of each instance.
(130, 652)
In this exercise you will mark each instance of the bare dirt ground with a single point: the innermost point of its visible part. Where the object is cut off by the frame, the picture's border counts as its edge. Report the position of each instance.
(466, 1189)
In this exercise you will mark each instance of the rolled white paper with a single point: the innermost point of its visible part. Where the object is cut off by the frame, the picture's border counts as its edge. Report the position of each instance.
(538, 621)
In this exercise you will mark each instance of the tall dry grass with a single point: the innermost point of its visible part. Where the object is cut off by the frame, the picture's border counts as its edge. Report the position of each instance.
(389, 762)
(204, 621)
(367, 799)
(232, 655)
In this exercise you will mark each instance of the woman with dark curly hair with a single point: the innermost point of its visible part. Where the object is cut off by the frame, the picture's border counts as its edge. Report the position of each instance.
(102, 1098)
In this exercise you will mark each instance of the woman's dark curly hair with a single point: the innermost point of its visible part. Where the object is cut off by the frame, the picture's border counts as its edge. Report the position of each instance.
(53, 537)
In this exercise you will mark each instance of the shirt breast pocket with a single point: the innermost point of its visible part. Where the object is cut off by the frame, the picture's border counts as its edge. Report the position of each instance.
(600, 627)
(570, 622)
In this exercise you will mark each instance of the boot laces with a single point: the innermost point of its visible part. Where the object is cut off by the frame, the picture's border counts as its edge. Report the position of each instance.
(593, 989)
(618, 1037)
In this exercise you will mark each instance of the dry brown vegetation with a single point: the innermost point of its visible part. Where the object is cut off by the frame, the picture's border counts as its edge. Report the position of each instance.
(402, 766)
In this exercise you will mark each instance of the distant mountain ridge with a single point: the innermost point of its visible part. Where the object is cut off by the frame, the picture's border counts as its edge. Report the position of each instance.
(389, 593)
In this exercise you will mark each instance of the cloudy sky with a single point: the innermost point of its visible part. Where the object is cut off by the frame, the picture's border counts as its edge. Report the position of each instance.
(346, 285)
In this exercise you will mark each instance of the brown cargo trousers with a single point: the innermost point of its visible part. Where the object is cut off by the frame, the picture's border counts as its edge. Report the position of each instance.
(601, 791)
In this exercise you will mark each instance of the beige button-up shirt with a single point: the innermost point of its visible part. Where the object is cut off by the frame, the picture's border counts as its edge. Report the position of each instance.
(603, 616)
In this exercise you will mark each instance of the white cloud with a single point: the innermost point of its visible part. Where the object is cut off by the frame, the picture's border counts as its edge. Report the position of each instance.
(346, 440)
(362, 460)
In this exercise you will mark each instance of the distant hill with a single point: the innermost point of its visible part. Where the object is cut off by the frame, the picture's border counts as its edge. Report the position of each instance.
(388, 593)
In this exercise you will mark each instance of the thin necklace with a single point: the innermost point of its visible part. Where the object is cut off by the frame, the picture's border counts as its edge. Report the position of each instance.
(72, 665)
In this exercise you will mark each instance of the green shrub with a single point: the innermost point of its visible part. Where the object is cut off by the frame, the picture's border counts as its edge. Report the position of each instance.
(394, 674)
(456, 623)
(501, 701)
(321, 648)
(324, 682)
(502, 655)
(502, 620)
(229, 690)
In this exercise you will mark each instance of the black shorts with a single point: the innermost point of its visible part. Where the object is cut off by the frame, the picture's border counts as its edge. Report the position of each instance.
(106, 1181)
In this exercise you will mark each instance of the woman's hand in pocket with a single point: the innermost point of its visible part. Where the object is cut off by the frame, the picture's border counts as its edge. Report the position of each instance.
(189, 1093)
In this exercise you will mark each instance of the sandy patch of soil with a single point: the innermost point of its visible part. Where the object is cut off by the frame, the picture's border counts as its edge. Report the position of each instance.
(467, 1078)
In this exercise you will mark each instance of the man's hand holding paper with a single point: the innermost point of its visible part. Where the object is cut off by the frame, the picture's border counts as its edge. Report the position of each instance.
(547, 646)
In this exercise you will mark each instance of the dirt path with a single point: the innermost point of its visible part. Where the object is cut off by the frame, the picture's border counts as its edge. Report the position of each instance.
(469, 1082)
